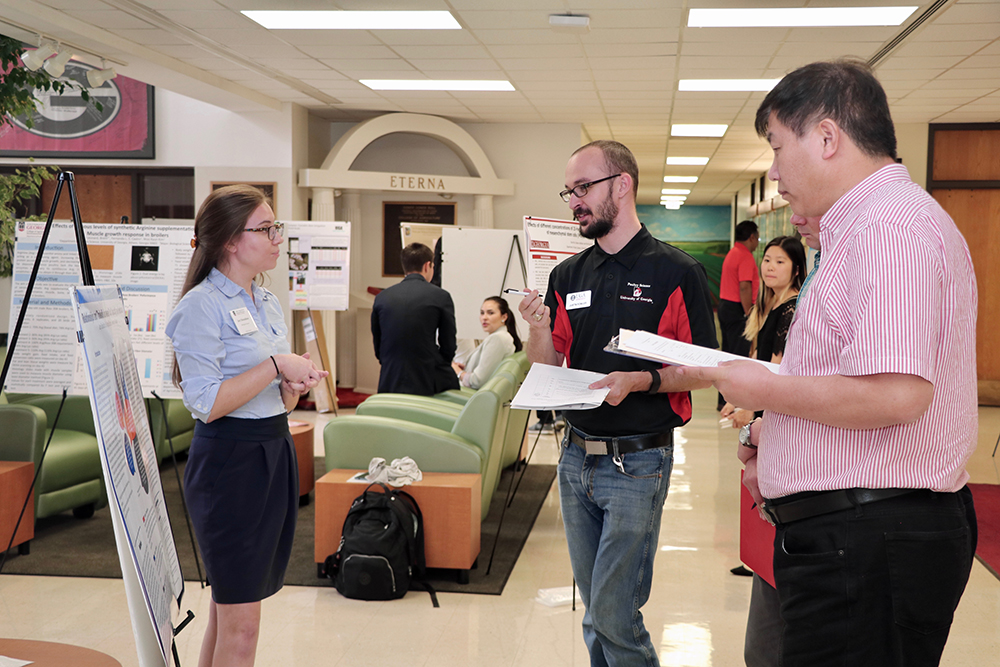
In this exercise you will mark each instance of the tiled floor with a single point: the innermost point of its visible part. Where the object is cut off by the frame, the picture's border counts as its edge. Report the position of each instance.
(696, 613)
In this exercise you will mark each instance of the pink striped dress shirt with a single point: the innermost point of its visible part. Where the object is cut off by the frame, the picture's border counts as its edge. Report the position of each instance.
(895, 293)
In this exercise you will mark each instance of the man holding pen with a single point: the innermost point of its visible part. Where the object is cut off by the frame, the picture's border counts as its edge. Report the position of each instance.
(616, 461)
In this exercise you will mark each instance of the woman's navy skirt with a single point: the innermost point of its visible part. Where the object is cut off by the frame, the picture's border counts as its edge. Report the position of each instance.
(242, 488)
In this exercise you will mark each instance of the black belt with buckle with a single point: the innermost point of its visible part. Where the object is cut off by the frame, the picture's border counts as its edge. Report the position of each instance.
(826, 502)
(626, 444)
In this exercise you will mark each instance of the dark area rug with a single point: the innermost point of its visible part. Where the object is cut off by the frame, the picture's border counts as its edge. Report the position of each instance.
(66, 546)
(987, 499)
(348, 398)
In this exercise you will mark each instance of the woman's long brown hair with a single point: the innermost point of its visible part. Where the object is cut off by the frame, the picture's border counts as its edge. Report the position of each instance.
(220, 220)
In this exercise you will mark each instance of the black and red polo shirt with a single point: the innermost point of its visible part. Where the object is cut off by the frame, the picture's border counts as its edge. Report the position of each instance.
(649, 286)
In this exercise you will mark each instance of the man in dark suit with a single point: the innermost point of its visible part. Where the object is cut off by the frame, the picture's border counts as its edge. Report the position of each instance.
(413, 327)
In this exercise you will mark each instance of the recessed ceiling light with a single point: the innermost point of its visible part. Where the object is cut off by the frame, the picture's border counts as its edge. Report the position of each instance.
(674, 191)
(687, 161)
(697, 130)
(353, 20)
(437, 84)
(672, 205)
(792, 17)
(726, 85)
(570, 22)
(680, 179)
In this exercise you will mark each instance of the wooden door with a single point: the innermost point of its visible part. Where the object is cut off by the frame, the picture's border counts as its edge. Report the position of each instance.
(977, 215)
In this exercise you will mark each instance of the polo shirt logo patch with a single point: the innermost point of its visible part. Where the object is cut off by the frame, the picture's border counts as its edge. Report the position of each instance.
(637, 289)
(578, 300)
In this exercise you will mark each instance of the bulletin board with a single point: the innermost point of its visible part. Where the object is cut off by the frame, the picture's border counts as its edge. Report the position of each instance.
(394, 213)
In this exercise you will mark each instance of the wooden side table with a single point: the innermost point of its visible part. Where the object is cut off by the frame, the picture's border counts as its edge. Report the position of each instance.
(449, 502)
(302, 436)
(52, 654)
(15, 480)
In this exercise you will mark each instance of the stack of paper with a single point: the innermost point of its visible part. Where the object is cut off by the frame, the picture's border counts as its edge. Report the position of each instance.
(557, 388)
(645, 345)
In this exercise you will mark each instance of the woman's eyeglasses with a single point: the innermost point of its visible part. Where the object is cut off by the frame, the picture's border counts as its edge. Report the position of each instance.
(272, 230)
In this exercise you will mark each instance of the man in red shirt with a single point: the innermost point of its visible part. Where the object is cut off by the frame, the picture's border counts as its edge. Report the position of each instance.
(738, 290)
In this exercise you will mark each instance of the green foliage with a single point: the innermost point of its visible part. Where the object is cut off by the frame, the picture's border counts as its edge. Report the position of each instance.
(18, 84)
(16, 189)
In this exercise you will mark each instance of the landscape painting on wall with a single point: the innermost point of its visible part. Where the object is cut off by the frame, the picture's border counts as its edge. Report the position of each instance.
(703, 232)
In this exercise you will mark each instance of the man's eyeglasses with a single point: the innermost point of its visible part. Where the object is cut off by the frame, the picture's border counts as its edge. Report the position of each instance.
(272, 230)
(581, 190)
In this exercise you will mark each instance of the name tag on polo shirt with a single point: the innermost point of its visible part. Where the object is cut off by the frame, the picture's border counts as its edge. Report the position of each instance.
(243, 321)
(578, 300)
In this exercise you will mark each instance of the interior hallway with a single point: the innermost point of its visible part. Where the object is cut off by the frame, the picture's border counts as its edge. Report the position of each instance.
(696, 613)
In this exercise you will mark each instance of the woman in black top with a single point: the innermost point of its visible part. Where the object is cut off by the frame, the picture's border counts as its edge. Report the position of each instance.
(782, 270)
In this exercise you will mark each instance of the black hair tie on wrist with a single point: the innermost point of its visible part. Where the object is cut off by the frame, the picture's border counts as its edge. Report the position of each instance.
(276, 369)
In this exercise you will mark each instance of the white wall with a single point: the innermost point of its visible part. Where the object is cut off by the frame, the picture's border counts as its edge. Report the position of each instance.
(911, 146)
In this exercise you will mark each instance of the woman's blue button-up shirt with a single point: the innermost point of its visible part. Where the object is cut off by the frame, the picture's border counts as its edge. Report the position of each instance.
(210, 349)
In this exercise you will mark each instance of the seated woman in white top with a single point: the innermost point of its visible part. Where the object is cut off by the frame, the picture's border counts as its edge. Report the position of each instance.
(498, 322)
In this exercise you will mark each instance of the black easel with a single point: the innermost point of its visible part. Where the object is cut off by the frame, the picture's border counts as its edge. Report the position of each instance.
(87, 274)
(514, 243)
(180, 485)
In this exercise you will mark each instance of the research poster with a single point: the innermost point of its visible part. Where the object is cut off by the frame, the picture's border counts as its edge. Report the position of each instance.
(549, 243)
(145, 541)
(150, 262)
(319, 265)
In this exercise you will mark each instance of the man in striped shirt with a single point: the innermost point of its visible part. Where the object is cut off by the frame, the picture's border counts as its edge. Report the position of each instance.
(872, 418)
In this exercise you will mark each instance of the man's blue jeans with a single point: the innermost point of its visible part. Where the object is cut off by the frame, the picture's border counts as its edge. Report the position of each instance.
(612, 524)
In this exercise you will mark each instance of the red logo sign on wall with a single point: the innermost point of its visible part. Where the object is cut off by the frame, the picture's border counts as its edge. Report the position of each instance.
(65, 125)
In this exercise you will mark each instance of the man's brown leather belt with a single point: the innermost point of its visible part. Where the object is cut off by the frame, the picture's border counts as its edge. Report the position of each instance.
(826, 502)
(626, 444)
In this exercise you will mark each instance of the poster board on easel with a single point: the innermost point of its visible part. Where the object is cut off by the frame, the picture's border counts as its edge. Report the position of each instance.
(309, 326)
(477, 263)
(146, 552)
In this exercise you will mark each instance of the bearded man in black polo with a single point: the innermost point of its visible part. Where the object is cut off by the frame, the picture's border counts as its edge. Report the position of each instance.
(616, 460)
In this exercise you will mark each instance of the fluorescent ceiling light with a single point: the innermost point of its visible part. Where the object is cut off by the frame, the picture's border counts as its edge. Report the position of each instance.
(797, 17)
(674, 191)
(570, 22)
(680, 179)
(727, 85)
(664, 198)
(687, 161)
(672, 205)
(437, 84)
(697, 130)
(353, 20)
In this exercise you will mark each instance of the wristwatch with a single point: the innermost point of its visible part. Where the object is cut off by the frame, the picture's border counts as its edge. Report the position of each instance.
(744, 436)
(654, 385)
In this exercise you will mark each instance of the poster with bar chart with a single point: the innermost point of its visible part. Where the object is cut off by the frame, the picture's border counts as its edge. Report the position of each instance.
(150, 263)
(319, 264)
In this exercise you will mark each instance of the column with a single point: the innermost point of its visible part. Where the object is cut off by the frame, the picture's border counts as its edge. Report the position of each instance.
(482, 211)
(322, 204)
(347, 350)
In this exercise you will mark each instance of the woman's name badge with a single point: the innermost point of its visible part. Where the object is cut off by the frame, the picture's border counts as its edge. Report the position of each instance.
(243, 321)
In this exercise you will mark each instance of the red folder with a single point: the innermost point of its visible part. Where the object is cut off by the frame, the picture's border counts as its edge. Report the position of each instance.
(756, 538)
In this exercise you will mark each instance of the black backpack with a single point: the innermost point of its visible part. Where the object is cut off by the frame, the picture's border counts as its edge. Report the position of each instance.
(381, 548)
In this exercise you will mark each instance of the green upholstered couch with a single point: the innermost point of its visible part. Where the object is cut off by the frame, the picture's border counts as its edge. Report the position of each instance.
(441, 410)
(473, 443)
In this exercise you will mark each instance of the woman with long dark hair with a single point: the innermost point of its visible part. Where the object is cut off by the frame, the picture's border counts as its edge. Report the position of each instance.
(233, 364)
(501, 340)
(782, 271)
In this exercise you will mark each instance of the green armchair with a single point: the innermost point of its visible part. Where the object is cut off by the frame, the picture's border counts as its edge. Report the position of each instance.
(71, 476)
